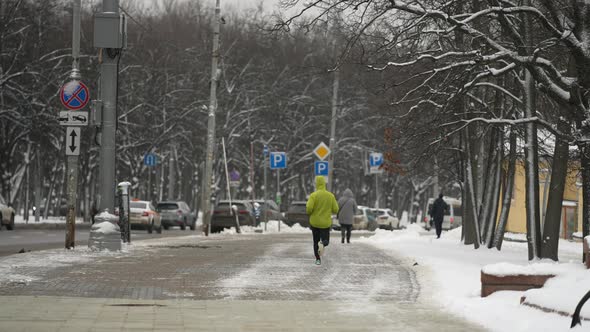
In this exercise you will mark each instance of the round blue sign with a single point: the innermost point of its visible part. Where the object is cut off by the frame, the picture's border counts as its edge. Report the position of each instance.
(150, 159)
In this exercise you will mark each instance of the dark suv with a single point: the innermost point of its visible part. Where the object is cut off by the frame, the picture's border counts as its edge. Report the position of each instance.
(296, 214)
(223, 217)
(176, 213)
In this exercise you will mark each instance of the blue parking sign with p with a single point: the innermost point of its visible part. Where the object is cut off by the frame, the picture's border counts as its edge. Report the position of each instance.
(278, 160)
(375, 159)
(321, 168)
(150, 159)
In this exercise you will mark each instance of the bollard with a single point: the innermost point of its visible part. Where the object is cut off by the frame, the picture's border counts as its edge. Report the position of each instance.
(105, 233)
(123, 190)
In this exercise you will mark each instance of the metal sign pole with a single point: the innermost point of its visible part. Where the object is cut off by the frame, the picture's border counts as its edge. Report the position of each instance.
(279, 192)
(265, 218)
(72, 160)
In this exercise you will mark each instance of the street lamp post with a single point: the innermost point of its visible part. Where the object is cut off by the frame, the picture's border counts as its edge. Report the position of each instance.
(206, 186)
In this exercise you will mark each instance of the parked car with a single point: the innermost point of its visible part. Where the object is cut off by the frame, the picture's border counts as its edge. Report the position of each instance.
(386, 219)
(363, 217)
(453, 216)
(6, 216)
(335, 223)
(143, 215)
(223, 217)
(269, 210)
(296, 214)
(176, 213)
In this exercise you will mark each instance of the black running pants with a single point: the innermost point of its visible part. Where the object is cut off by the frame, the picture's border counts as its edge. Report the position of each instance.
(319, 234)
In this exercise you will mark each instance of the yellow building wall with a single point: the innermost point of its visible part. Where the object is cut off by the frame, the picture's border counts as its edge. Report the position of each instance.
(517, 217)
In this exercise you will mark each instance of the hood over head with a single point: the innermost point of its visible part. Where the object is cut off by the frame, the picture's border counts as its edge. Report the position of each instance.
(347, 193)
(320, 182)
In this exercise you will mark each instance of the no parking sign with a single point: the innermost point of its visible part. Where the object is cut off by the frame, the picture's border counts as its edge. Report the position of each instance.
(74, 95)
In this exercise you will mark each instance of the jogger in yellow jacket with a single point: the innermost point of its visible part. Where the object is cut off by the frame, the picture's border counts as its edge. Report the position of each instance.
(321, 205)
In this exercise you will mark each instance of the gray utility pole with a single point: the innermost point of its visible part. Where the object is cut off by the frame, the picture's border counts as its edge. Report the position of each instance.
(109, 36)
(72, 160)
(206, 187)
(377, 193)
(333, 129)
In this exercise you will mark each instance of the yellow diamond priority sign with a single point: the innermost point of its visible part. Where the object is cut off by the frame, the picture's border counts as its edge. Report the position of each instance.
(321, 151)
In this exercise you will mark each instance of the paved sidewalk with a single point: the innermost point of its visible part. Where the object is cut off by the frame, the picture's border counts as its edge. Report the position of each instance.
(244, 282)
(64, 314)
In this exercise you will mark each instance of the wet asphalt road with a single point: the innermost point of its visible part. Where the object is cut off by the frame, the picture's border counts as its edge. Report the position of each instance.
(11, 242)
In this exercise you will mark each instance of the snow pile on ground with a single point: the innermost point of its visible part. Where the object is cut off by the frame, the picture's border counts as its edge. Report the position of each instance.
(515, 237)
(563, 292)
(272, 227)
(27, 267)
(105, 227)
(50, 220)
(541, 267)
(404, 220)
(450, 276)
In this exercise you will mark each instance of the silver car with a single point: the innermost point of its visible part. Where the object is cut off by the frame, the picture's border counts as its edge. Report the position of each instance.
(386, 219)
(176, 213)
(142, 214)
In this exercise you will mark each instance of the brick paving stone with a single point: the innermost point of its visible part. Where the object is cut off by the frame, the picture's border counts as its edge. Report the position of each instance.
(234, 283)
(222, 268)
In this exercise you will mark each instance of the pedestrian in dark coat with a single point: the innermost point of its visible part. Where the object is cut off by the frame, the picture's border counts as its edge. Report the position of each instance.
(347, 210)
(437, 213)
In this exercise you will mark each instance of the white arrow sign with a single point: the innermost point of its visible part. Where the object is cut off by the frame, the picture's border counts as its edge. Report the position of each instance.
(72, 141)
(71, 118)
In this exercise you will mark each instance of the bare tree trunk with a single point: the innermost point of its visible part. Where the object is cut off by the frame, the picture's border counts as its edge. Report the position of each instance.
(61, 184)
(38, 179)
(489, 191)
(27, 187)
(49, 193)
(550, 242)
(585, 170)
(507, 201)
(496, 194)
(531, 171)
(472, 234)
(87, 182)
(171, 174)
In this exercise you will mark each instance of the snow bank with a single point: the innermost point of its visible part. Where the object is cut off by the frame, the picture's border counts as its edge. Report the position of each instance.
(543, 267)
(563, 292)
(105, 227)
(449, 274)
(18, 219)
(272, 227)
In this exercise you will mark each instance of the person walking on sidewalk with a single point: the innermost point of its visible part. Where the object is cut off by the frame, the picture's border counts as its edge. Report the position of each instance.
(320, 207)
(347, 209)
(437, 213)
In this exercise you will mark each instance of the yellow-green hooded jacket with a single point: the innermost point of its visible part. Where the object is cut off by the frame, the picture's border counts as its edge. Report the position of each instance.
(321, 205)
